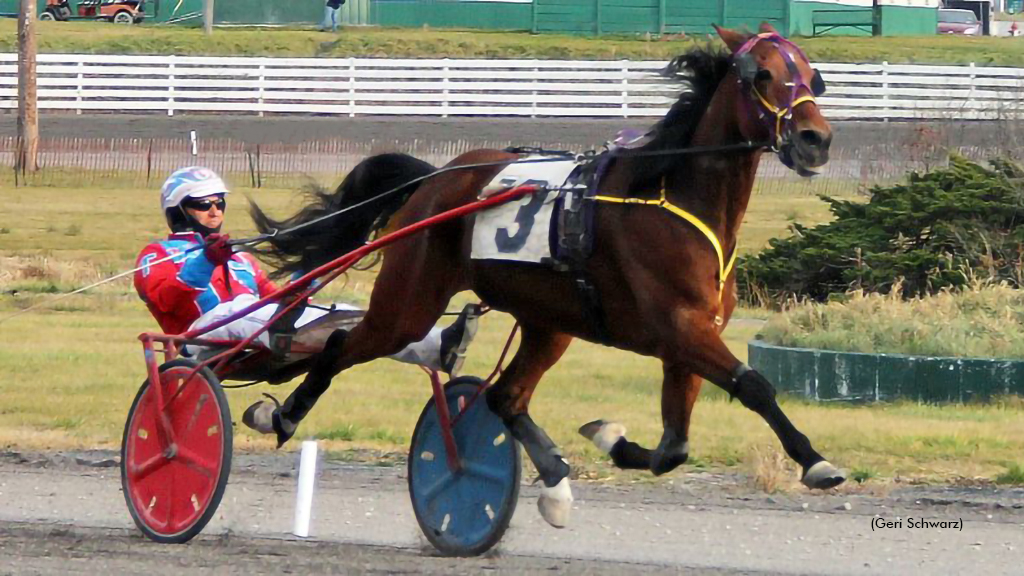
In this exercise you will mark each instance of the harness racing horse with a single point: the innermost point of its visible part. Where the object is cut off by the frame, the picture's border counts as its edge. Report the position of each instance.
(666, 221)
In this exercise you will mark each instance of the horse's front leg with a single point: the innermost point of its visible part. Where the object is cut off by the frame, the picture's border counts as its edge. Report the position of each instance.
(700, 348)
(679, 392)
(509, 398)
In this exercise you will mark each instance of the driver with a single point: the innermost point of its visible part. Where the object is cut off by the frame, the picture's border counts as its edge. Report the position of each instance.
(195, 289)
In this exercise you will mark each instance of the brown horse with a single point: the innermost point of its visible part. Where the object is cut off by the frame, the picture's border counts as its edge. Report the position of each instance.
(660, 282)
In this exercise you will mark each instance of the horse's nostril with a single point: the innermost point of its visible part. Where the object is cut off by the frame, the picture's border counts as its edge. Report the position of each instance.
(811, 137)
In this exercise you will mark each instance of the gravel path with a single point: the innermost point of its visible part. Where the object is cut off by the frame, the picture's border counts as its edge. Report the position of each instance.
(65, 511)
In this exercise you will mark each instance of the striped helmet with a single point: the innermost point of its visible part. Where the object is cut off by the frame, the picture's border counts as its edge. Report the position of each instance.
(191, 182)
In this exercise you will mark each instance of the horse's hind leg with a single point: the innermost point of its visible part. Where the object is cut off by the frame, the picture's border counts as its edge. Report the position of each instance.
(509, 398)
(407, 299)
(680, 389)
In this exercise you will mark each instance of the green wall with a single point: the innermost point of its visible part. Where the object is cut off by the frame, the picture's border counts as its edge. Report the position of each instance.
(656, 16)
(268, 11)
(452, 14)
(567, 16)
(909, 21)
(800, 23)
(238, 11)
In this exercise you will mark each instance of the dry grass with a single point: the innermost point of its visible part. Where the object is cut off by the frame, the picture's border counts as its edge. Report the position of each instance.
(771, 470)
(42, 273)
(980, 320)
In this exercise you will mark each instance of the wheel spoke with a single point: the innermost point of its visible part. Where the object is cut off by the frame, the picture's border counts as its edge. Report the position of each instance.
(141, 471)
(495, 474)
(174, 507)
(431, 492)
(196, 462)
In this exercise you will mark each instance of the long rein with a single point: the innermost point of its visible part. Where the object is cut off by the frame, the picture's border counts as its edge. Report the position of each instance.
(589, 156)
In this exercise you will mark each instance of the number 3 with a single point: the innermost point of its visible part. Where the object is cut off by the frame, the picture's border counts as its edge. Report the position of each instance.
(508, 244)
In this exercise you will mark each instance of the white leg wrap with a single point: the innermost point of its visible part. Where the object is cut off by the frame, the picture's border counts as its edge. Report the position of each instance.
(608, 435)
(260, 417)
(603, 434)
(555, 504)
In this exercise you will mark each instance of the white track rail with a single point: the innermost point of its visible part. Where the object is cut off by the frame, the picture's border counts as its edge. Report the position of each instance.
(460, 87)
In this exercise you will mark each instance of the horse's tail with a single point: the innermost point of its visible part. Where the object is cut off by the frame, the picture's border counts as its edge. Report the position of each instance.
(317, 244)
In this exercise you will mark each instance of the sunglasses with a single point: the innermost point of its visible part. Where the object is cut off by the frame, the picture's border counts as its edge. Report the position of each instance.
(205, 205)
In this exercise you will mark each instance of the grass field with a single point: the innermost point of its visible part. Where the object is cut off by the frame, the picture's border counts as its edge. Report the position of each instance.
(102, 38)
(67, 375)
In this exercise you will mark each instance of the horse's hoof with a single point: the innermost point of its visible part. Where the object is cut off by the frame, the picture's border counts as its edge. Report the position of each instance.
(284, 429)
(260, 417)
(555, 504)
(664, 461)
(603, 434)
(823, 476)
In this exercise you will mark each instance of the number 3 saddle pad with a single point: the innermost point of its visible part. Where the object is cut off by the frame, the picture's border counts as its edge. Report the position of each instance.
(521, 230)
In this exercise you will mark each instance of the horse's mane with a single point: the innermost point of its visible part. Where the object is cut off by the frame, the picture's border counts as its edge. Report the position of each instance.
(701, 70)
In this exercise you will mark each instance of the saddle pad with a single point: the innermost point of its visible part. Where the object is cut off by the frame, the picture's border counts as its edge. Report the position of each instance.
(520, 230)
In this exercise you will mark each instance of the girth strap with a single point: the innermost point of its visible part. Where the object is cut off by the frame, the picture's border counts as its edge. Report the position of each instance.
(724, 267)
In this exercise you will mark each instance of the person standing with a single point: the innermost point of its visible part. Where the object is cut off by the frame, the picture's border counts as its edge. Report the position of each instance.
(331, 10)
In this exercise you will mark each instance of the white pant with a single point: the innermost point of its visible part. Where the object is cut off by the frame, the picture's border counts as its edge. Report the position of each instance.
(426, 352)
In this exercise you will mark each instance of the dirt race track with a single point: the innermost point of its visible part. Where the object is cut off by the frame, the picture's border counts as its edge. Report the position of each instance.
(64, 513)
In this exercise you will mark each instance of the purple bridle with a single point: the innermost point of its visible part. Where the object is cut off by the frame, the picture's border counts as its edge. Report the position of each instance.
(783, 115)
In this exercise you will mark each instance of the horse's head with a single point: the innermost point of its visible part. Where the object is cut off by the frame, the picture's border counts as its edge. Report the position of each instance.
(778, 87)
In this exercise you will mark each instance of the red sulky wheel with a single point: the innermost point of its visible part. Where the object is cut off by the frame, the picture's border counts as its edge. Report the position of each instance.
(173, 486)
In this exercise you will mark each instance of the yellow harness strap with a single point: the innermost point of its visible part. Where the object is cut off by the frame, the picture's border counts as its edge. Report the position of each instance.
(781, 113)
(724, 268)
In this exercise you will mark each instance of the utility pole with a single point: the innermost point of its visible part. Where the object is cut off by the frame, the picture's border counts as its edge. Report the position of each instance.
(208, 16)
(28, 118)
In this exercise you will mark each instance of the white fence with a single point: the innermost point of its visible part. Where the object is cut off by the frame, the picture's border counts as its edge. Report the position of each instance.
(447, 87)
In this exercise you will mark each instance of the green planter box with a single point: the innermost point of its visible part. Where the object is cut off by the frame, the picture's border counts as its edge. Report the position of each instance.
(830, 376)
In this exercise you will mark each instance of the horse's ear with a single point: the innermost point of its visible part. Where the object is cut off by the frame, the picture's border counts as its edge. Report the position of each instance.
(767, 28)
(734, 40)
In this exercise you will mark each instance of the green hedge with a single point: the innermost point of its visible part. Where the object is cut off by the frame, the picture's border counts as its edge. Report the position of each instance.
(937, 230)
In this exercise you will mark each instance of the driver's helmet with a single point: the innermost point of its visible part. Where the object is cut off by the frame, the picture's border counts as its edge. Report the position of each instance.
(190, 182)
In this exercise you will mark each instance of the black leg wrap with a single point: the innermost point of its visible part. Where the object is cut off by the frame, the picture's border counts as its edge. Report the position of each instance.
(540, 448)
(672, 452)
(630, 455)
(283, 435)
(754, 391)
(317, 381)
(757, 394)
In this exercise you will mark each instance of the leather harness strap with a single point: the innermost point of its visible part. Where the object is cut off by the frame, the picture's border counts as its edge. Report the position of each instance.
(724, 266)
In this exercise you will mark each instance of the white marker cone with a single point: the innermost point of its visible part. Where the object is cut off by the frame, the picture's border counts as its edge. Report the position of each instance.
(304, 496)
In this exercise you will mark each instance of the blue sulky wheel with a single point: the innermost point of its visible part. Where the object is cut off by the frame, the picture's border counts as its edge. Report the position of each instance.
(464, 513)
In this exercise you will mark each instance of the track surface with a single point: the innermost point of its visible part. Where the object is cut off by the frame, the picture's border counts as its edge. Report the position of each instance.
(65, 511)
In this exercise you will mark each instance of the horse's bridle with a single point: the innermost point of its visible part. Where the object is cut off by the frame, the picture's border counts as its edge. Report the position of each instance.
(748, 69)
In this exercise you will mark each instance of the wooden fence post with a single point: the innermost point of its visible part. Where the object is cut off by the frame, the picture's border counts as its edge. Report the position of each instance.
(208, 17)
(28, 113)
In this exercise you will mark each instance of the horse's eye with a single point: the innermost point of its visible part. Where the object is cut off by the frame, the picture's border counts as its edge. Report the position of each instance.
(747, 67)
(817, 84)
(763, 76)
